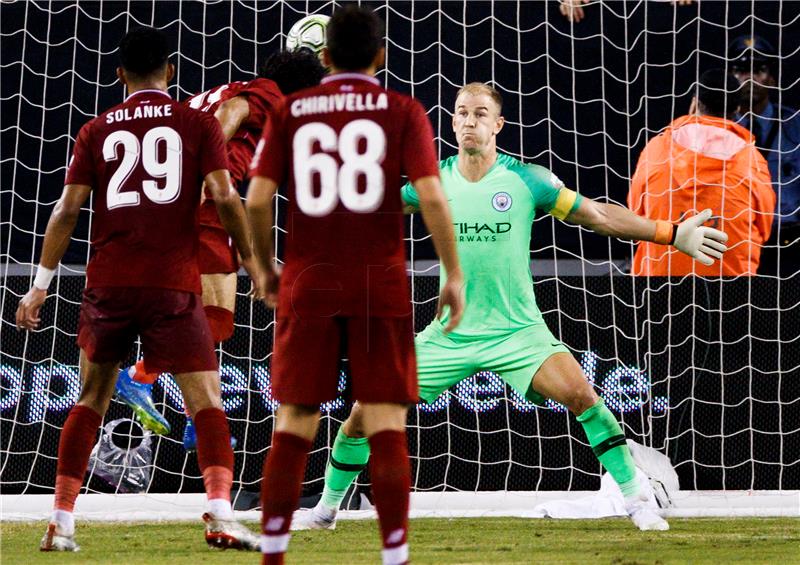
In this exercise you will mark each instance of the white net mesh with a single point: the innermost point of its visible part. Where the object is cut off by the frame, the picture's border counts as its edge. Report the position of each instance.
(706, 371)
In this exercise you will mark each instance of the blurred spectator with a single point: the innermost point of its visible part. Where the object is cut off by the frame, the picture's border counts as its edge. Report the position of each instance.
(776, 129)
(705, 160)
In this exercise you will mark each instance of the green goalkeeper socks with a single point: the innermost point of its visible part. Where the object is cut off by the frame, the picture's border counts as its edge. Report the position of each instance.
(348, 457)
(608, 443)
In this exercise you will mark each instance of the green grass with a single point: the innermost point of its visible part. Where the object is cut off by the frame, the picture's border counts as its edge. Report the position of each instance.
(484, 540)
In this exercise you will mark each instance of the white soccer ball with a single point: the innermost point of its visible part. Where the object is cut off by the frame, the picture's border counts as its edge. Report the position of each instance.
(308, 32)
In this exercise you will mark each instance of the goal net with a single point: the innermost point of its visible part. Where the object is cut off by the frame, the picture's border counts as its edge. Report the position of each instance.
(706, 371)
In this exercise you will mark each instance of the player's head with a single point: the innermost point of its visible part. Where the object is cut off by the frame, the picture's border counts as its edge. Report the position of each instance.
(717, 94)
(752, 60)
(293, 70)
(144, 57)
(478, 117)
(354, 40)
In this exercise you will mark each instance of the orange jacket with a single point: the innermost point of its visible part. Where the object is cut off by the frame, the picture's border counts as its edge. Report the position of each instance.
(701, 162)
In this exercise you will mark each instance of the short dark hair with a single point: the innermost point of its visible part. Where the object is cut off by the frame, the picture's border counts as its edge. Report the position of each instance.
(143, 51)
(354, 37)
(718, 92)
(293, 70)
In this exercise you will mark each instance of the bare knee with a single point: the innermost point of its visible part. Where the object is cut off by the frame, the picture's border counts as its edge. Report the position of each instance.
(580, 398)
(298, 420)
(353, 427)
(200, 390)
(379, 417)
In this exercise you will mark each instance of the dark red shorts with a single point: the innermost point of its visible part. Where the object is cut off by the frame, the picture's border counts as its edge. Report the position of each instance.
(216, 253)
(171, 323)
(305, 362)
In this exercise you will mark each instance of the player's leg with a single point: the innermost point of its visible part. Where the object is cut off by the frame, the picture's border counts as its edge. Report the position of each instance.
(284, 468)
(74, 447)
(384, 379)
(561, 378)
(300, 382)
(219, 300)
(349, 456)
(390, 471)
(176, 338)
(441, 363)
(105, 335)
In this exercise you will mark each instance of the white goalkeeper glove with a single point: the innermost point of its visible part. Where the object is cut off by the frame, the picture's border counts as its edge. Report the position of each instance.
(700, 242)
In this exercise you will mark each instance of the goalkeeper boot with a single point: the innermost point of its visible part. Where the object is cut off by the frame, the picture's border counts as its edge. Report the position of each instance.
(190, 437)
(139, 397)
(54, 540)
(318, 518)
(229, 534)
(643, 516)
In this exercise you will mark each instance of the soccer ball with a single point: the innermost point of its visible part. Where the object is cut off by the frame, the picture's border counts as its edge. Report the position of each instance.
(308, 32)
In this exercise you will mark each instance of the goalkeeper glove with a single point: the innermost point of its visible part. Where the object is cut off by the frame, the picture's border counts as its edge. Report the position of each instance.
(700, 242)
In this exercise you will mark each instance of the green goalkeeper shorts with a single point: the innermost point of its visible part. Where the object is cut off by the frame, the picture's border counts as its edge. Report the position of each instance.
(516, 356)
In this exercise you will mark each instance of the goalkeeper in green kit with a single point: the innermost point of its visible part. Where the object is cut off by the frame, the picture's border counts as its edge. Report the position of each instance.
(493, 198)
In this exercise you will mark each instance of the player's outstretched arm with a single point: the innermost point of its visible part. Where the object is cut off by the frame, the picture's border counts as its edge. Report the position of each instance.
(56, 240)
(233, 218)
(231, 114)
(437, 218)
(690, 236)
(259, 211)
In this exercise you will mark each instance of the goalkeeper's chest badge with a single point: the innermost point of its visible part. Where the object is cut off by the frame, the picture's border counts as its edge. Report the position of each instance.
(501, 201)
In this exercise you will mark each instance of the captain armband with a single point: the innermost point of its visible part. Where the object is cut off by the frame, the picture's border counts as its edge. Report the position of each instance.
(566, 203)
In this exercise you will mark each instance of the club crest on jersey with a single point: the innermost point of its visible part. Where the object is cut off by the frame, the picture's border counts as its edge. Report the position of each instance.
(501, 201)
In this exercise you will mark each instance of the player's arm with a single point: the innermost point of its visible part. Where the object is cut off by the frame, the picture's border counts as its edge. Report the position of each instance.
(437, 218)
(260, 194)
(231, 114)
(690, 236)
(56, 240)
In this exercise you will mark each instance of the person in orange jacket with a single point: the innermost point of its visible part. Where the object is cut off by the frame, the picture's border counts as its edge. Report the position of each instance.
(705, 160)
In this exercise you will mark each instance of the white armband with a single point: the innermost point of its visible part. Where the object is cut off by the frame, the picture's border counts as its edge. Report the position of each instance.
(43, 277)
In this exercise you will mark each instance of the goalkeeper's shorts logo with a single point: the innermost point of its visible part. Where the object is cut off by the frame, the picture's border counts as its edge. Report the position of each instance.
(501, 201)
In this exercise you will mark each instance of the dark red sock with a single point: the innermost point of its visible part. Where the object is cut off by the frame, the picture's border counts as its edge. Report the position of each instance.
(74, 448)
(390, 472)
(284, 468)
(220, 320)
(214, 452)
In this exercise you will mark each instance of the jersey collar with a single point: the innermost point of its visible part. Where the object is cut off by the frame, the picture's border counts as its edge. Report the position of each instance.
(147, 91)
(350, 76)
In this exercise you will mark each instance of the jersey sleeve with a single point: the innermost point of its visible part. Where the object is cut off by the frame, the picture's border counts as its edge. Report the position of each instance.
(81, 168)
(270, 157)
(548, 191)
(261, 96)
(213, 155)
(409, 195)
(418, 151)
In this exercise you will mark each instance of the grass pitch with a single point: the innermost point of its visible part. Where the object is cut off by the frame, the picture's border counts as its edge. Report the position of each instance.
(483, 540)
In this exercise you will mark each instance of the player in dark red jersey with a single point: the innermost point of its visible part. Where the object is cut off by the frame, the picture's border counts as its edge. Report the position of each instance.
(241, 108)
(145, 161)
(341, 148)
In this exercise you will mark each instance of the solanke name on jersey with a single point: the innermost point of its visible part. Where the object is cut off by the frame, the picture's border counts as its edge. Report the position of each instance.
(478, 232)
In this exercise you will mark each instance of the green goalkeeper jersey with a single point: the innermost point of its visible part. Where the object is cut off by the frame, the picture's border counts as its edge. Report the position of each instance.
(492, 220)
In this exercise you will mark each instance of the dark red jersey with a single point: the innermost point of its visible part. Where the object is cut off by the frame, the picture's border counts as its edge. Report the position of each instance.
(145, 160)
(342, 148)
(262, 95)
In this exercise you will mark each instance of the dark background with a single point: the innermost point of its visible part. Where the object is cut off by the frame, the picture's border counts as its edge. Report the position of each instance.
(581, 100)
(731, 375)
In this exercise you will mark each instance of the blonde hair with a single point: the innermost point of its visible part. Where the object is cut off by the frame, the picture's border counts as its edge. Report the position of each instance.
(476, 88)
